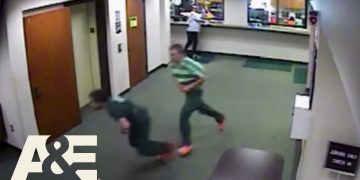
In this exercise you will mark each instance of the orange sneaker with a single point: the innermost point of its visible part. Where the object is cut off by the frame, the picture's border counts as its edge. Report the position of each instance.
(221, 124)
(185, 150)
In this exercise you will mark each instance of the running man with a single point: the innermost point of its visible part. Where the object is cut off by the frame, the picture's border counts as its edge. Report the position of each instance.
(190, 76)
(135, 121)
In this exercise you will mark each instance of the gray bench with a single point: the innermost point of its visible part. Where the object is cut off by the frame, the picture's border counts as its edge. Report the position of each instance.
(248, 164)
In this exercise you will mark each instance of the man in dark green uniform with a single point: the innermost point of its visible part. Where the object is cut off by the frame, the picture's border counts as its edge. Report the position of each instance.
(190, 76)
(135, 121)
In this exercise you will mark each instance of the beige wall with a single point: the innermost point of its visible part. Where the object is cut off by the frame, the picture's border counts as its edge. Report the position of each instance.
(235, 12)
(331, 116)
(343, 38)
(157, 32)
(337, 90)
(85, 51)
(119, 66)
(8, 97)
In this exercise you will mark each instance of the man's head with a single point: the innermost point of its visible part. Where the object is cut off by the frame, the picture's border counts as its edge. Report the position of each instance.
(99, 97)
(176, 53)
(196, 8)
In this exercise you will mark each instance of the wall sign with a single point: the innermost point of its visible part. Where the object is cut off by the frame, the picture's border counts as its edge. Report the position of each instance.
(133, 21)
(117, 22)
(342, 158)
(314, 15)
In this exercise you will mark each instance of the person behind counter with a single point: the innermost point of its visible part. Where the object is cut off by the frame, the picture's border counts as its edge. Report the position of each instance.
(194, 26)
(177, 7)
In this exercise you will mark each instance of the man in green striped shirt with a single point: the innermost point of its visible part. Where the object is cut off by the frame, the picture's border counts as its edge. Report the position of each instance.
(190, 77)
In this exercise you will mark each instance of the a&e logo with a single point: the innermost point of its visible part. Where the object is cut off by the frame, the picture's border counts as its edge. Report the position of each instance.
(69, 157)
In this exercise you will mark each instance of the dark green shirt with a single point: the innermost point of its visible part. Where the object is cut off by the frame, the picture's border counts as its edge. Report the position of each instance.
(119, 107)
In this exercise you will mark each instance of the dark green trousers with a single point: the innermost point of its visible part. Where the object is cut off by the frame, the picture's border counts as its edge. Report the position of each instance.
(194, 102)
(139, 135)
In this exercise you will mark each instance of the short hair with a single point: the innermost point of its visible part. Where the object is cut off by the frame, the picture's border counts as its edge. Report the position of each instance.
(99, 96)
(178, 48)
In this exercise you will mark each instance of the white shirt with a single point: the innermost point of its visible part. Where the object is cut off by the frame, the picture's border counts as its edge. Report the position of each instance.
(176, 2)
(193, 22)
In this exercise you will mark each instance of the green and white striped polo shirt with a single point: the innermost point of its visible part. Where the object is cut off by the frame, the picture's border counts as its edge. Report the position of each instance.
(187, 70)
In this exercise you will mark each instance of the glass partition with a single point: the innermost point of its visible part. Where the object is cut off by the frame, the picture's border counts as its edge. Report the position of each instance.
(278, 12)
(211, 9)
(292, 12)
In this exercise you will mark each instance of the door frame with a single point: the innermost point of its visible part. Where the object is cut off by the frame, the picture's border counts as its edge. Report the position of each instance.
(101, 19)
(146, 45)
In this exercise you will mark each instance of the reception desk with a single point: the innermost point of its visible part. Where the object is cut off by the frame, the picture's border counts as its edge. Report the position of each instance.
(268, 42)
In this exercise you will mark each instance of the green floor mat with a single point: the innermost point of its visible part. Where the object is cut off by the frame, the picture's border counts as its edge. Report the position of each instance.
(300, 75)
(276, 65)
